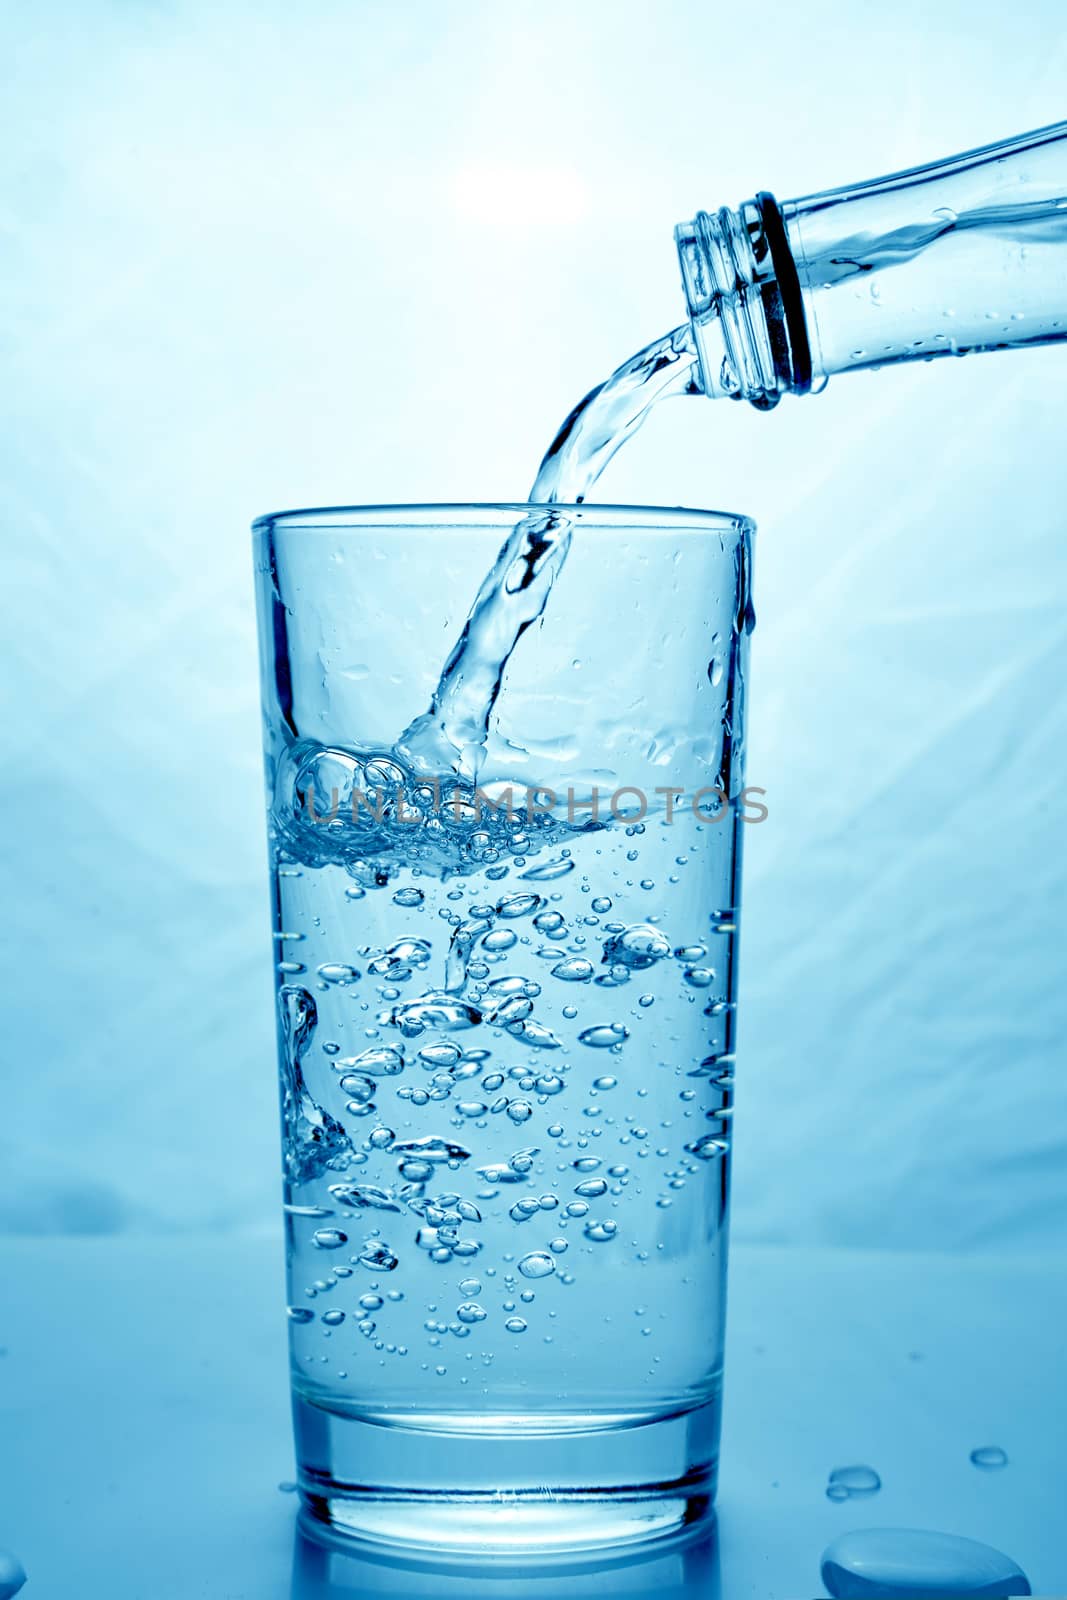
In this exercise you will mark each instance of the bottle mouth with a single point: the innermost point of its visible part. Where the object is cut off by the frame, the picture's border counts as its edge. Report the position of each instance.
(745, 305)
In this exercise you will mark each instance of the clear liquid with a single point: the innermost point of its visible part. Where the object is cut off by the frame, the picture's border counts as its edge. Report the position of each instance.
(901, 1562)
(451, 735)
(507, 1055)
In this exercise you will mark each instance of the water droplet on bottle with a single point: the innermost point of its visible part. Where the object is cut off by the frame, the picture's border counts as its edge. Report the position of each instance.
(604, 1036)
(601, 1231)
(537, 1264)
(900, 1561)
(849, 1482)
(329, 1238)
(408, 897)
(990, 1458)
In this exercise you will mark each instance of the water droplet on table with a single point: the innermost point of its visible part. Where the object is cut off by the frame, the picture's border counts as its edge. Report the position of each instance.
(891, 1562)
(12, 1575)
(990, 1458)
(846, 1483)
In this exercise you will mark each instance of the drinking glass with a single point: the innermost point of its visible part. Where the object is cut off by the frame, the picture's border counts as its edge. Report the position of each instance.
(506, 1012)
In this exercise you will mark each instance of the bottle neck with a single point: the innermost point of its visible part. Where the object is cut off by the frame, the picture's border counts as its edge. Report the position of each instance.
(964, 255)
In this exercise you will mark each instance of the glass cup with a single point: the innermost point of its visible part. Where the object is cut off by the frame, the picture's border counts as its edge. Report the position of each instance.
(506, 1002)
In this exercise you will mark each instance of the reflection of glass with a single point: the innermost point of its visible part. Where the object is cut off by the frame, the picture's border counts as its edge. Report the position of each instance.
(506, 1039)
(682, 1568)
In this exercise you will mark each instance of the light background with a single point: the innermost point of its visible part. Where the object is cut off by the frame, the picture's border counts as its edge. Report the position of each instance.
(264, 255)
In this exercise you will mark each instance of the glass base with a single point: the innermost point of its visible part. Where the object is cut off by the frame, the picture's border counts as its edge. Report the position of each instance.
(501, 1484)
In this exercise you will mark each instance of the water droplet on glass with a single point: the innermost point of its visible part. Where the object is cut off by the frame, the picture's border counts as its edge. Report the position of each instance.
(900, 1561)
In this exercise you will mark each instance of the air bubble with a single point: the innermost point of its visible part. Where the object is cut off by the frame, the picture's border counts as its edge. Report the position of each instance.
(637, 947)
(329, 1238)
(601, 1231)
(335, 972)
(574, 970)
(538, 1264)
(604, 1036)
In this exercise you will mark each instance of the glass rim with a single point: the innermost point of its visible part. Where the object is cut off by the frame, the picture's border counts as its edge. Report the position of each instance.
(491, 513)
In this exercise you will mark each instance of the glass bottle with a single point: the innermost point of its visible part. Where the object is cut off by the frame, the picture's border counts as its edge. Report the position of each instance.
(967, 254)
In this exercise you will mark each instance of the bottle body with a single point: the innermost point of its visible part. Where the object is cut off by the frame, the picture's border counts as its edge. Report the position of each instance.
(964, 255)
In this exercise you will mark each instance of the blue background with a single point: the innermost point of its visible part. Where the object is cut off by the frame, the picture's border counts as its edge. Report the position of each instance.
(258, 256)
